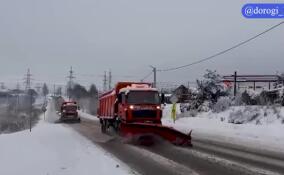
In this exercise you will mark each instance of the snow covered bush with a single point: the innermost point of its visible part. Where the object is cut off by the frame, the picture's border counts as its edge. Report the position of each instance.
(195, 101)
(222, 104)
(13, 122)
(205, 107)
(256, 114)
(237, 100)
(209, 90)
(245, 115)
(210, 87)
(246, 98)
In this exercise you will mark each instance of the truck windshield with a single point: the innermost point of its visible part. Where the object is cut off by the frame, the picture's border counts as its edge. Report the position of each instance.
(71, 108)
(143, 97)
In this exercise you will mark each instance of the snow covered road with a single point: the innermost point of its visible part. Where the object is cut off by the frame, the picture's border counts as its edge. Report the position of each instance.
(205, 158)
(53, 149)
(163, 158)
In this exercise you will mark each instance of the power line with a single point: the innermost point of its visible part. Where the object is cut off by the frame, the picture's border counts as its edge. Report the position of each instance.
(146, 76)
(224, 51)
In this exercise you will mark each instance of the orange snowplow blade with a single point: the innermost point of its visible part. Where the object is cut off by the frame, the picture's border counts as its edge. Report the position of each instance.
(167, 133)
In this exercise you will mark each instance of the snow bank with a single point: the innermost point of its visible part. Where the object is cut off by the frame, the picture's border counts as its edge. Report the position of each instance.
(87, 116)
(52, 149)
(266, 133)
(259, 115)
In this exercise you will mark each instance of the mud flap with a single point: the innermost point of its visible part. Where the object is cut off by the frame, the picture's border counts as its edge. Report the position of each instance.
(167, 133)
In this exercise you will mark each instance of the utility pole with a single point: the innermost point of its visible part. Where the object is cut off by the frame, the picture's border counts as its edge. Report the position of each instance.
(70, 82)
(155, 76)
(109, 80)
(17, 92)
(235, 83)
(31, 109)
(54, 90)
(105, 82)
(29, 92)
(27, 80)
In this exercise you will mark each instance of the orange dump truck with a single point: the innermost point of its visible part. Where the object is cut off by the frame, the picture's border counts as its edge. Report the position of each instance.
(69, 111)
(134, 109)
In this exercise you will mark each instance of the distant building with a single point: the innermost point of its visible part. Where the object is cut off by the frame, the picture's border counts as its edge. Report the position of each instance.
(183, 94)
(255, 82)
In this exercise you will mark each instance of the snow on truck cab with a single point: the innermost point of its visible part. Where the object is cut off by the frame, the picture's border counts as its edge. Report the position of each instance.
(134, 108)
(69, 111)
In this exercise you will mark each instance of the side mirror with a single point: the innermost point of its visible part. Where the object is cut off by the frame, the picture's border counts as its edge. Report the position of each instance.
(162, 98)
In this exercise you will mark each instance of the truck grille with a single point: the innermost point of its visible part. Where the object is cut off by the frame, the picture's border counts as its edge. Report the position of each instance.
(144, 114)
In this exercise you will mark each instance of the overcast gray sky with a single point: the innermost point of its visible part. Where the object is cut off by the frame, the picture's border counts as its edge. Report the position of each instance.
(49, 36)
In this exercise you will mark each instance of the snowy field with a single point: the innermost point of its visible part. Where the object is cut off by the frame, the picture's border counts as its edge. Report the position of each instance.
(53, 149)
(265, 132)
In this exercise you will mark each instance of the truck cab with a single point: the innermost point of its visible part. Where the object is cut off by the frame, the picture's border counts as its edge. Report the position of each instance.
(69, 111)
(139, 103)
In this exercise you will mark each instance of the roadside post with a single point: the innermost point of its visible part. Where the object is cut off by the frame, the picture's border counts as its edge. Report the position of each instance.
(43, 110)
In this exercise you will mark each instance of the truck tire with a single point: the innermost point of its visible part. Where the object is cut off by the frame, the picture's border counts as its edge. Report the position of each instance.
(117, 125)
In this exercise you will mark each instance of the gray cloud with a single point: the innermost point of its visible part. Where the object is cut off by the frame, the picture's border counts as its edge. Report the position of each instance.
(128, 35)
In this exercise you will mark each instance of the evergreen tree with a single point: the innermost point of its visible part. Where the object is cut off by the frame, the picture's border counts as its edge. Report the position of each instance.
(93, 91)
(78, 91)
(59, 91)
(45, 90)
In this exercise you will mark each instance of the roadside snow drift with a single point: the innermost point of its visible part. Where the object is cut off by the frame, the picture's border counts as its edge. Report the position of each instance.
(255, 127)
(52, 149)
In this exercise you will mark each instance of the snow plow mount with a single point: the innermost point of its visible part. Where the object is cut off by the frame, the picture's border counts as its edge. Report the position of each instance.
(166, 133)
